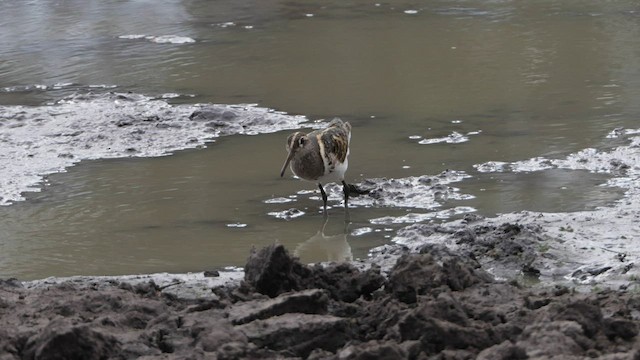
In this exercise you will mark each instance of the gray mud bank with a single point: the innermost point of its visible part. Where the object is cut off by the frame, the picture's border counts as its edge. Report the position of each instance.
(431, 303)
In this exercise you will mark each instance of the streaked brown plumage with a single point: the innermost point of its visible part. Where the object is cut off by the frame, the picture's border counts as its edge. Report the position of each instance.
(321, 156)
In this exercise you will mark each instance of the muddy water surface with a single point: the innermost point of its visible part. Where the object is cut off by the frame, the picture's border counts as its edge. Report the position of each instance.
(427, 86)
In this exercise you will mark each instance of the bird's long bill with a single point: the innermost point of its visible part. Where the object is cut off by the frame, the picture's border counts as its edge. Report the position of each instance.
(286, 163)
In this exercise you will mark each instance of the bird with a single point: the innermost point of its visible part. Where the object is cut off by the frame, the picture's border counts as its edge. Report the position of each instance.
(321, 156)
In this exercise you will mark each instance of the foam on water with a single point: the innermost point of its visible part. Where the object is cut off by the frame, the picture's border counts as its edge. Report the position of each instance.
(584, 247)
(361, 231)
(56, 86)
(279, 200)
(225, 24)
(162, 39)
(422, 217)
(622, 162)
(287, 214)
(589, 159)
(419, 192)
(237, 225)
(415, 192)
(39, 140)
(453, 138)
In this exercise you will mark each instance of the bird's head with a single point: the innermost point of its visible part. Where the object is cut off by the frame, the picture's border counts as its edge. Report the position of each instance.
(295, 142)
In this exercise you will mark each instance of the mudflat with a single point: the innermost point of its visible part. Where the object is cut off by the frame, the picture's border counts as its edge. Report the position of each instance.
(427, 303)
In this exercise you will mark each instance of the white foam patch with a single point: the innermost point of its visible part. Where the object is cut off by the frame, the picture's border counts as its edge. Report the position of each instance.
(453, 138)
(491, 166)
(412, 218)
(619, 132)
(170, 39)
(279, 200)
(162, 39)
(132, 36)
(419, 192)
(587, 247)
(56, 86)
(225, 24)
(236, 225)
(287, 214)
(361, 231)
(623, 158)
(39, 140)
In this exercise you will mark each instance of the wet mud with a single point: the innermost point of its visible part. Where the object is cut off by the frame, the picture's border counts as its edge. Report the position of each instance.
(432, 303)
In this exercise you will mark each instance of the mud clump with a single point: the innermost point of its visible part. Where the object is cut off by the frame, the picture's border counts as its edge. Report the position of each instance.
(420, 274)
(510, 247)
(271, 271)
(62, 340)
(435, 304)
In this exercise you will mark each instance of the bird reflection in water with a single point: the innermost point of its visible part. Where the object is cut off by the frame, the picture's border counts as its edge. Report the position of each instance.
(321, 247)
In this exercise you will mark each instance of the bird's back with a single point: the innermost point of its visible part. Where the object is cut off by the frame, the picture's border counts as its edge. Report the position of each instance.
(335, 139)
(333, 142)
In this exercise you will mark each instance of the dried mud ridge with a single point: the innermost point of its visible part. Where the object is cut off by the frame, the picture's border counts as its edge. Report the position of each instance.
(432, 305)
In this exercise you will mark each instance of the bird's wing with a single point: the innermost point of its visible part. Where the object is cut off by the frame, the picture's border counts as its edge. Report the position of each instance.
(336, 142)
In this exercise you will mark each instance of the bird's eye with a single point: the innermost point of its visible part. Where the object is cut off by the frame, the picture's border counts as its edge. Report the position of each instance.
(301, 141)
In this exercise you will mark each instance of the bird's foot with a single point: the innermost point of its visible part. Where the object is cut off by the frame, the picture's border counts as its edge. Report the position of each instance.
(355, 191)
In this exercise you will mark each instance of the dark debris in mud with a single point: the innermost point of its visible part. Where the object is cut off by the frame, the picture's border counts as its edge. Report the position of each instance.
(435, 304)
(508, 249)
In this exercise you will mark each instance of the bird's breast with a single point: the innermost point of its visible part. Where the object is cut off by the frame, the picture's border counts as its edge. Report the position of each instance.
(308, 165)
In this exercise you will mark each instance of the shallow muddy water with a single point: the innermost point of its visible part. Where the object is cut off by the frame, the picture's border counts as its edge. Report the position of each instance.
(427, 86)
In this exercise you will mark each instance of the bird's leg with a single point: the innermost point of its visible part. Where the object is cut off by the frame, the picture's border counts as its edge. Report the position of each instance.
(324, 197)
(346, 190)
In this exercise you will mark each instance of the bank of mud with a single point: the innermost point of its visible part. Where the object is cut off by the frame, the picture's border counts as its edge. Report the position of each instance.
(431, 303)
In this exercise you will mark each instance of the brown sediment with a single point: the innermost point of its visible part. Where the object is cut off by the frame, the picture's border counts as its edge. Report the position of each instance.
(432, 304)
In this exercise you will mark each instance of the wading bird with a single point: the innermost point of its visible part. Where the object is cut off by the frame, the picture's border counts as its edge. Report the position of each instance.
(321, 156)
